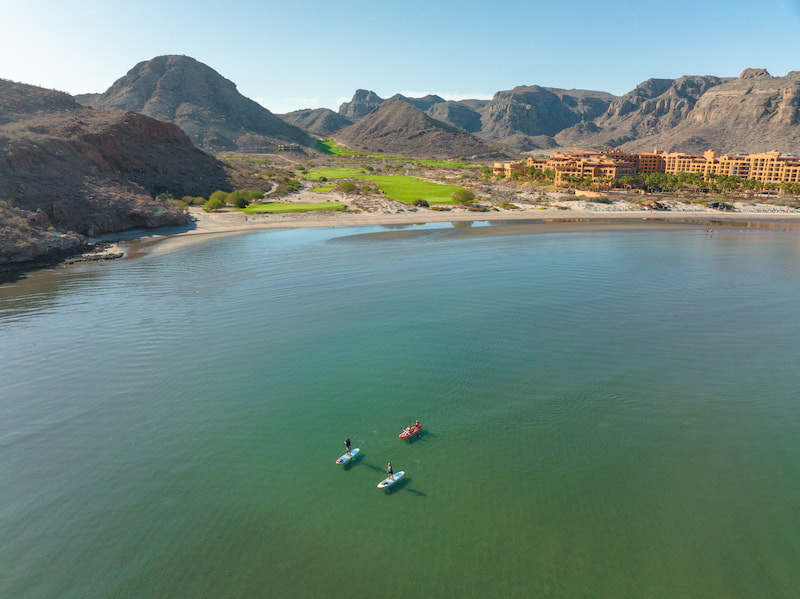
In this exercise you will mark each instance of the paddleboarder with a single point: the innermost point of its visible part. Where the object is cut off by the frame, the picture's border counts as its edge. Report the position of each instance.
(389, 470)
(347, 445)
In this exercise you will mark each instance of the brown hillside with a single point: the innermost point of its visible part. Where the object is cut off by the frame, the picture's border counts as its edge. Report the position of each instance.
(319, 121)
(200, 101)
(85, 172)
(400, 128)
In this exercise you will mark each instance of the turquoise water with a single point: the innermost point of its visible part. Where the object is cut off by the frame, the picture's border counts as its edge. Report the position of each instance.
(607, 414)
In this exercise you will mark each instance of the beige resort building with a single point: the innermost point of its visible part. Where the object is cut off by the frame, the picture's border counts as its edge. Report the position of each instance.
(612, 163)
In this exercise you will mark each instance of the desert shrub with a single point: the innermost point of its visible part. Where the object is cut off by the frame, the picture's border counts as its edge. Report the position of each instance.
(239, 198)
(463, 196)
(346, 187)
(255, 195)
(421, 202)
(214, 204)
(218, 195)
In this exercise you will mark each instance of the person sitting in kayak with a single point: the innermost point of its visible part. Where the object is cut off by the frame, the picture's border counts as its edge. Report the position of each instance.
(347, 445)
(389, 470)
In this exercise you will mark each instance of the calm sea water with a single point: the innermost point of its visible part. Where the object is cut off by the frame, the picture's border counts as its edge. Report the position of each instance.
(607, 414)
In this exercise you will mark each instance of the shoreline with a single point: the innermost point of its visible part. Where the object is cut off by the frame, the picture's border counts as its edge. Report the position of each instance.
(228, 222)
(560, 214)
(232, 222)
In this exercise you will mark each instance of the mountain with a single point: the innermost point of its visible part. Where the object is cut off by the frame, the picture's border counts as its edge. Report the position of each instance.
(321, 122)
(361, 105)
(752, 113)
(653, 107)
(755, 112)
(423, 103)
(456, 114)
(527, 117)
(208, 107)
(400, 128)
(82, 171)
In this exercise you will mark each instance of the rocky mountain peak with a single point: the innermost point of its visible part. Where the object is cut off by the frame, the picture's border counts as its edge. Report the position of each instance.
(753, 73)
(362, 104)
(200, 101)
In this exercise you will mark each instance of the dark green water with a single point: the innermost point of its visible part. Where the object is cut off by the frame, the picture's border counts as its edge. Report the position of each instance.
(607, 414)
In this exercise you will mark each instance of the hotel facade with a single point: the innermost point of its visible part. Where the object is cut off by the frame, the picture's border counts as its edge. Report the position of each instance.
(612, 163)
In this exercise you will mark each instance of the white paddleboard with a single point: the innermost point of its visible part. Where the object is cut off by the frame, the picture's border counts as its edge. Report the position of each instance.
(346, 458)
(388, 482)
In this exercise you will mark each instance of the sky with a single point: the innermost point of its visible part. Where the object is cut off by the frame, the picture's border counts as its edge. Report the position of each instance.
(316, 53)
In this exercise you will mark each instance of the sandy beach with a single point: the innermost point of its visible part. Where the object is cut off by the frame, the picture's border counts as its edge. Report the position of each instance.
(557, 211)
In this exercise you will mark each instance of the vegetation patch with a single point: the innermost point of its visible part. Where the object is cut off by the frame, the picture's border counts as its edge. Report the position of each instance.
(276, 208)
(444, 164)
(324, 188)
(407, 189)
(400, 188)
(340, 172)
(331, 148)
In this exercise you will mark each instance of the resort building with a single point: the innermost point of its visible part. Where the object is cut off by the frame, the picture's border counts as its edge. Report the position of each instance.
(567, 166)
(508, 168)
(612, 163)
(767, 167)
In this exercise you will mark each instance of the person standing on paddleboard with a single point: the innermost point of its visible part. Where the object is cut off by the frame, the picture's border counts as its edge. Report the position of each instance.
(389, 470)
(347, 445)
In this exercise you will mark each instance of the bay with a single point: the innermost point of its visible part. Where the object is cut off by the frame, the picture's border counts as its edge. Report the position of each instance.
(607, 413)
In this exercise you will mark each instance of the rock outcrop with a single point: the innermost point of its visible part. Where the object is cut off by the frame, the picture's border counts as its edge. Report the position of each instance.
(69, 171)
(526, 116)
(361, 105)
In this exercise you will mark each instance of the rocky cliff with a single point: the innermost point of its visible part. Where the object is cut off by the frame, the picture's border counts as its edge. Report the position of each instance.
(527, 117)
(753, 113)
(69, 171)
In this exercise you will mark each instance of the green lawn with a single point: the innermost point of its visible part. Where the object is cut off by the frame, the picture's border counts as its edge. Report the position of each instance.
(401, 188)
(334, 173)
(324, 188)
(330, 147)
(444, 164)
(274, 208)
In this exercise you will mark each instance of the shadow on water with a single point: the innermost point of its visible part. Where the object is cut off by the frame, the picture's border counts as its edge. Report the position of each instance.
(402, 485)
(421, 437)
(355, 460)
(376, 468)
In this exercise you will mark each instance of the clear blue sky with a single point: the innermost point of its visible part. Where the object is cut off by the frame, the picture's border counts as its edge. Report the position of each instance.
(315, 53)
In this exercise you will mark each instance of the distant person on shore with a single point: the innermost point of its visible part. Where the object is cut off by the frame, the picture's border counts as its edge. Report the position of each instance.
(347, 445)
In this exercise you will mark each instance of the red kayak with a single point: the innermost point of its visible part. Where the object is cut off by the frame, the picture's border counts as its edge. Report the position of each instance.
(410, 431)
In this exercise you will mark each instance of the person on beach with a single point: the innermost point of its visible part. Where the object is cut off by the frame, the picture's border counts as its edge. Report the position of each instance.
(389, 471)
(347, 445)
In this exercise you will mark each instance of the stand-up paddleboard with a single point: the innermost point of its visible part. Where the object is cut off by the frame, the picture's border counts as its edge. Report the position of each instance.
(389, 481)
(346, 458)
